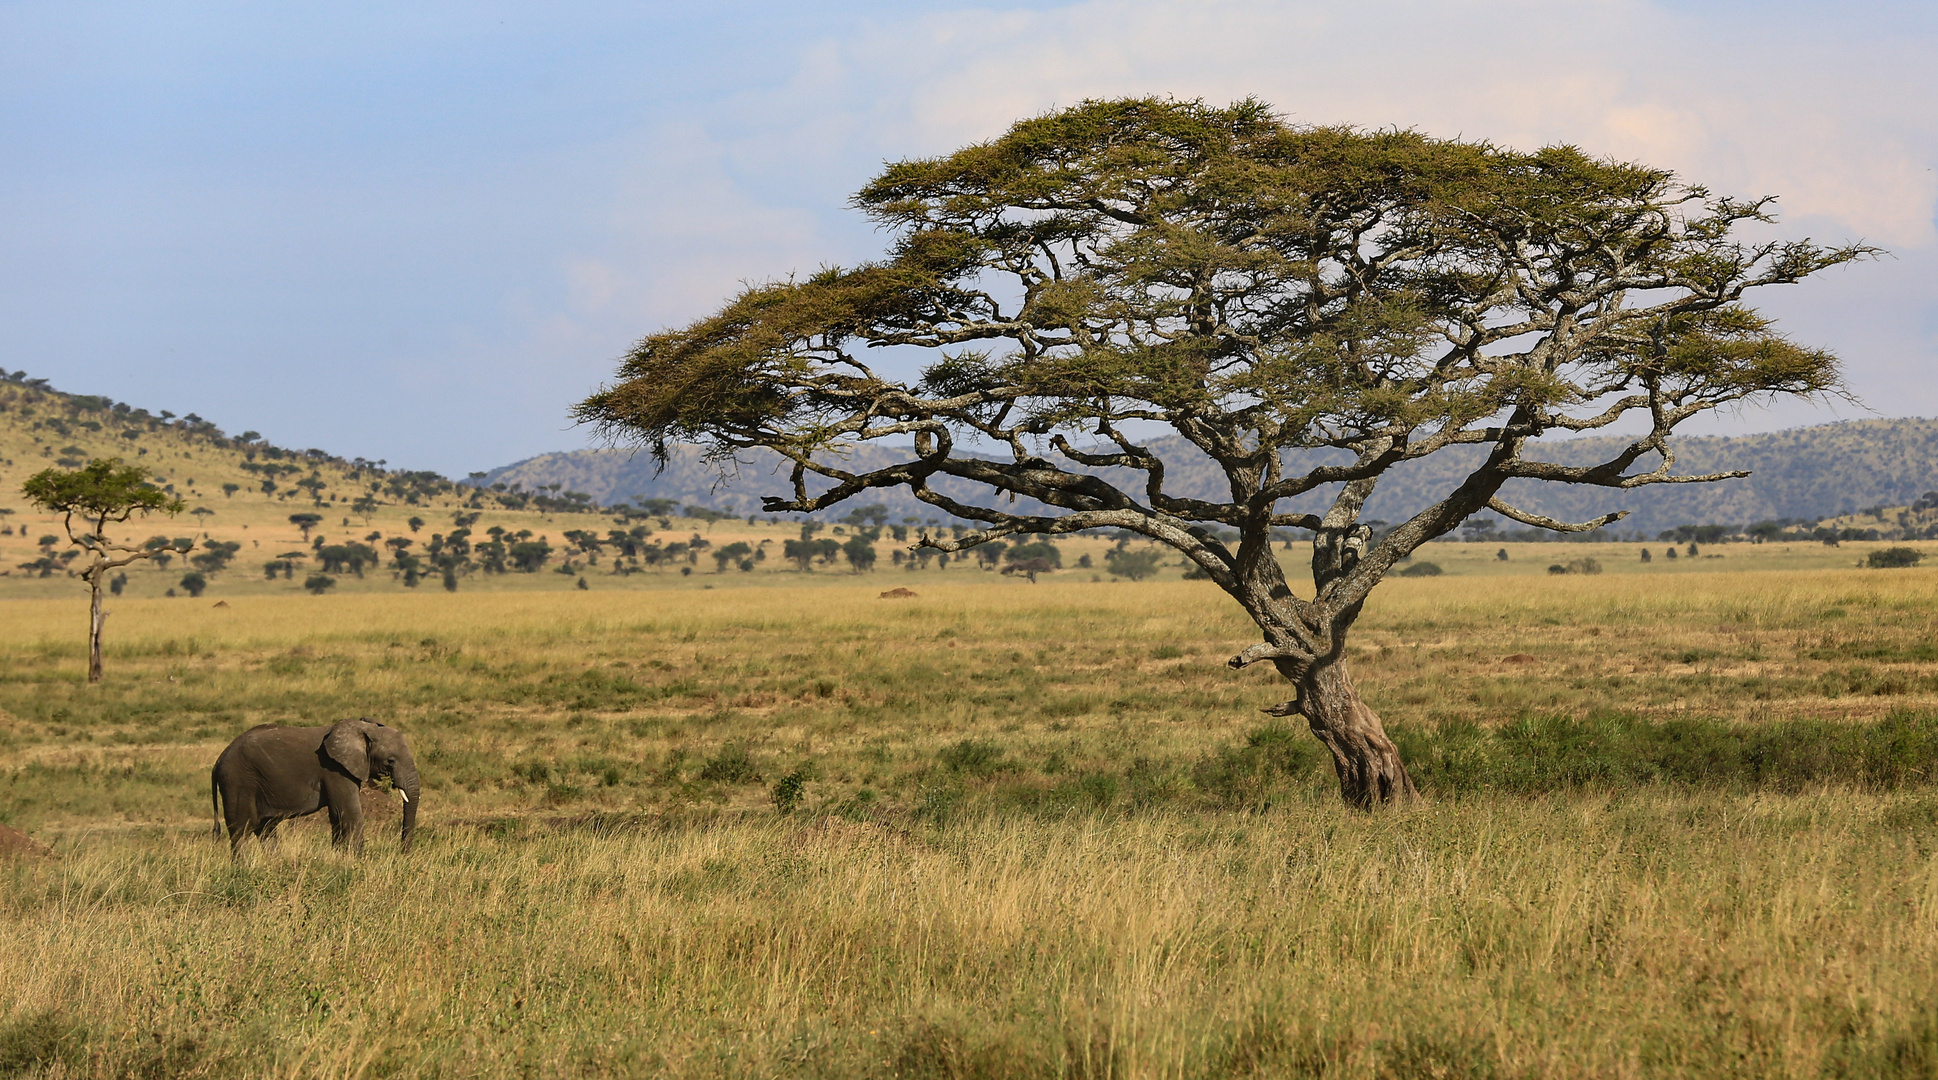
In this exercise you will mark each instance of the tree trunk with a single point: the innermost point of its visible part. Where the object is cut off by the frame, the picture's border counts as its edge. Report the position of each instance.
(1369, 767)
(97, 617)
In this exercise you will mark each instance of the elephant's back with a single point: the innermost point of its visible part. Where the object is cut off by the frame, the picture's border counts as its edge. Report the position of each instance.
(264, 737)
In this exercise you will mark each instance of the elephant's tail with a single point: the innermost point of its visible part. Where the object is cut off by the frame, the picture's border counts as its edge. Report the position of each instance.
(215, 804)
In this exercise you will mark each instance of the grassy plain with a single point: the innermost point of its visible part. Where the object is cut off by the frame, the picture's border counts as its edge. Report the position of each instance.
(1680, 824)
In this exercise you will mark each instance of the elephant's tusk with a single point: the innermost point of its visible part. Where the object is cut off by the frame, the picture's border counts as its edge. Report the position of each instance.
(405, 795)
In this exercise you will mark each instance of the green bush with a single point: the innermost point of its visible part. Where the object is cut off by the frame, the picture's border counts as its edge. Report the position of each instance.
(1548, 754)
(732, 764)
(1892, 558)
(1422, 569)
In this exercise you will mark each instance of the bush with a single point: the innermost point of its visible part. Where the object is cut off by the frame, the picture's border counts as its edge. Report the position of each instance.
(1894, 557)
(976, 757)
(1577, 566)
(732, 764)
(792, 788)
(1422, 569)
(318, 584)
(1536, 755)
(193, 583)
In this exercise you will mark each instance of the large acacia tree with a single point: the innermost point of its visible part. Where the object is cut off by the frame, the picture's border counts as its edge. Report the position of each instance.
(1308, 306)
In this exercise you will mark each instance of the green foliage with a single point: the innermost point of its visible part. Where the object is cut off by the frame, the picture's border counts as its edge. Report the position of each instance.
(1618, 751)
(731, 764)
(860, 552)
(1135, 565)
(318, 584)
(1422, 569)
(1039, 549)
(1894, 557)
(101, 491)
(194, 583)
(33, 1044)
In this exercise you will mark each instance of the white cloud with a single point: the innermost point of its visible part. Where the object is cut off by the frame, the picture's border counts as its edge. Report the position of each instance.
(1839, 126)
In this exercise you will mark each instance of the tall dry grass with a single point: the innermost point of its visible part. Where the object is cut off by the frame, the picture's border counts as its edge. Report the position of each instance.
(1041, 831)
(1665, 935)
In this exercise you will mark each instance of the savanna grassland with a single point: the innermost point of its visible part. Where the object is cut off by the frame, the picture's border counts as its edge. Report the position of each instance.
(1680, 822)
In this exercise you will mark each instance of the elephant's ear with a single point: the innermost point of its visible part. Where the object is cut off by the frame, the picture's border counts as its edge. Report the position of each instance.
(349, 747)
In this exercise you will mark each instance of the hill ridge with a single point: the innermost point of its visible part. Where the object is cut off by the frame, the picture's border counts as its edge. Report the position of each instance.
(1800, 474)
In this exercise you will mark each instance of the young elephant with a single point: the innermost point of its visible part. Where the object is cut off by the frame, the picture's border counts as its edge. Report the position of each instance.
(271, 773)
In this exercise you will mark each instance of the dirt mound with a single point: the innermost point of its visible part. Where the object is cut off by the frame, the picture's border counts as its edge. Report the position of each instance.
(15, 844)
(379, 805)
(1518, 658)
(898, 593)
(221, 603)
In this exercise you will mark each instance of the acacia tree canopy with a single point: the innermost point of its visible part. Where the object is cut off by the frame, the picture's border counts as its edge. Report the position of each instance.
(1125, 268)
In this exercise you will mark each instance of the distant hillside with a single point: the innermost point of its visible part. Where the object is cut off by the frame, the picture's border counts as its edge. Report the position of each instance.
(41, 426)
(1803, 473)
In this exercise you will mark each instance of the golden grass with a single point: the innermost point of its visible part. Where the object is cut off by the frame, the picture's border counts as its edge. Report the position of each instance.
(584, 901)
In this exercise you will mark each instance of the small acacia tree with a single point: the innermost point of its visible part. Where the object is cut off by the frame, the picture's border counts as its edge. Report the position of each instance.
(100, 492)
(1308, 307)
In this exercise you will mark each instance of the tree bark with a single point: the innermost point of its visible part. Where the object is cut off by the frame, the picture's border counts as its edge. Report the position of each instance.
(97, 618)
(1370, 770)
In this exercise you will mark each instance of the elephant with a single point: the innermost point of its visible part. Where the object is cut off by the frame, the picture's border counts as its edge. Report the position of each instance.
(271, 773)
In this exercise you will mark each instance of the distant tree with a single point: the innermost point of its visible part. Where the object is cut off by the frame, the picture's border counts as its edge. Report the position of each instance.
(860, 551)
(365, 507)
(530, 556)
(117, 583)
(202, 514)
(102, 491)
(1041, 550)
(215, 555)
(229, 490)
(708, 515)
(1135, 565)
(318, 584)
(306, 522)
(194, 583)
(800, 553)
(314, 485)
(734, 553)
(415, 523)
(1030, 568)
(1262, 290)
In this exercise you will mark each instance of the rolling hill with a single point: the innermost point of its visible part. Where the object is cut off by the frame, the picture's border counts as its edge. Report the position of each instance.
(1800, 474)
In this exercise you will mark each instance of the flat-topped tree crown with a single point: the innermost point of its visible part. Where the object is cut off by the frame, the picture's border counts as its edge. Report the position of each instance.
(1261, 289)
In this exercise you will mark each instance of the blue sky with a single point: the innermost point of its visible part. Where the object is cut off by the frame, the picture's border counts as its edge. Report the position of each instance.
(420, 232)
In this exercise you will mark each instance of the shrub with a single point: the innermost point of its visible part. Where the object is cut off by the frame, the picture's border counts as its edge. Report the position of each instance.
(1422, 569)
(976, 757)
(318, 584)
(792, 788)
(1894, 557)
(193, 583)
(732, 764)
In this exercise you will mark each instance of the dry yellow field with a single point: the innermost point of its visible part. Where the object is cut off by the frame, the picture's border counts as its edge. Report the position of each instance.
(1679, 824)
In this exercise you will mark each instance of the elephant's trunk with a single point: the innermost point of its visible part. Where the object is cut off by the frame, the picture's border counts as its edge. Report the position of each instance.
(406, 784)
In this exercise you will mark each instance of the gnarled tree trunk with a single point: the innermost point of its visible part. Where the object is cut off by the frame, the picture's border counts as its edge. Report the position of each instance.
(1369, 766)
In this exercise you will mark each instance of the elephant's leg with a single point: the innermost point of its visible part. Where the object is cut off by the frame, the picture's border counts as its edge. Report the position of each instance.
(346, 825)
(345, 803)
(266, 833)
(239, 814)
